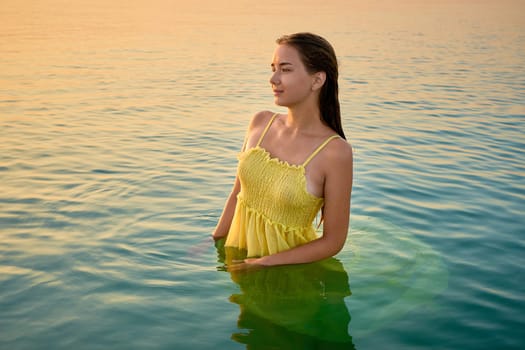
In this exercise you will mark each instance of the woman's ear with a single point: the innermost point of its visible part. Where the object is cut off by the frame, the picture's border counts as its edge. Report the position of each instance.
(318, 81)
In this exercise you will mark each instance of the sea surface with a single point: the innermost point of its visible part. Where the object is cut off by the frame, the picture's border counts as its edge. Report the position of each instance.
(120, 123)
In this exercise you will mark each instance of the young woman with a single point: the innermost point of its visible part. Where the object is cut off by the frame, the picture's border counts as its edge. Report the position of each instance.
(293, 165)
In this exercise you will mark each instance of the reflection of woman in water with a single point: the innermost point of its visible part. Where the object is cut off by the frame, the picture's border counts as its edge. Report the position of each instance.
(293, 164)
(292, 307)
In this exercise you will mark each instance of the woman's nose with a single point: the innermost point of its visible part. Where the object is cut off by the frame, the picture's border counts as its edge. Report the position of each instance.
(274, 78)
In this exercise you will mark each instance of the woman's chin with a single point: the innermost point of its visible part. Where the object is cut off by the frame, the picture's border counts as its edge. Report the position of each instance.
(279, 102)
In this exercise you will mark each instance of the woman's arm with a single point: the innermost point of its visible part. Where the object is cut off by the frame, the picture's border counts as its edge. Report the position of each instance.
(223, 226)
(337, 194)
(255, 128)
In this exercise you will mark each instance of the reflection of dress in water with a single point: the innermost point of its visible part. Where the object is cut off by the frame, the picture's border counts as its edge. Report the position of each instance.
(292, 307)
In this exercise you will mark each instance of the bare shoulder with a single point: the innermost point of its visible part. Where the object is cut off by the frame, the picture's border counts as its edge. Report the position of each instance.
(260, 119)
(338, 164)
(339, 152)
(256, 128)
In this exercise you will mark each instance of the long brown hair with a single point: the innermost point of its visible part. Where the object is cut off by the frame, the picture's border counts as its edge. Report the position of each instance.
(318, 55)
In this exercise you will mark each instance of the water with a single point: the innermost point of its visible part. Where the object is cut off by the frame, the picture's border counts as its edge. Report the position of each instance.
(119, 127)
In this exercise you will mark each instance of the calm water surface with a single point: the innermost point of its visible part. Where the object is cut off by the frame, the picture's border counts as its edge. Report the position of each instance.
(119, 128)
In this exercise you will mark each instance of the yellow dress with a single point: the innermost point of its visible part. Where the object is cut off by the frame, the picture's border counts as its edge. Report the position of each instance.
(274, 210)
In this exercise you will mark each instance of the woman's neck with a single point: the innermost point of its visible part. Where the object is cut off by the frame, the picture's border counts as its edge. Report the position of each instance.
(303, 119)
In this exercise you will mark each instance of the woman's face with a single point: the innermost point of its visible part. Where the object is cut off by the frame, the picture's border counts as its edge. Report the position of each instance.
(291, 82)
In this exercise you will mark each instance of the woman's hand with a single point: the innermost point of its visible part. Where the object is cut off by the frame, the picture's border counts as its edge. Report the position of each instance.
(249, 264)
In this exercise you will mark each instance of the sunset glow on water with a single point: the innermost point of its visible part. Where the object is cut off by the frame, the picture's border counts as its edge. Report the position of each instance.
(120, 123)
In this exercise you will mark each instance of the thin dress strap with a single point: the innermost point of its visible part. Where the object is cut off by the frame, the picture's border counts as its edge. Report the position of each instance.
(318, 149)
(266, 130)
